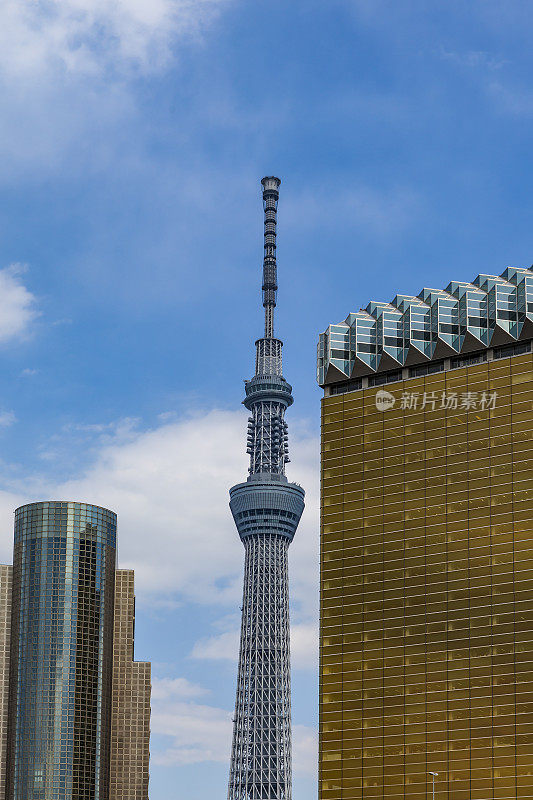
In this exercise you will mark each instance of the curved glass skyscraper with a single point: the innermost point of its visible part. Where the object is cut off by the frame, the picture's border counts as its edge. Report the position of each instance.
(61, 652)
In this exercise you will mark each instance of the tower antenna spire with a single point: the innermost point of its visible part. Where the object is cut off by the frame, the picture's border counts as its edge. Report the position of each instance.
(270, 271)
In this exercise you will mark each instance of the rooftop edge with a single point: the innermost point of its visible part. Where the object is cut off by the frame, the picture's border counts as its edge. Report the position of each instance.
(491, 311)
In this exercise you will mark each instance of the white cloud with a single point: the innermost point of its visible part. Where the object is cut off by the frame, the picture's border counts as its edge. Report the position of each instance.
(304, 750)
(17, 304)
(505, 96)
(304, 645)
(165, 688)
(200, 732)
(169, 487)
(225, 646)
(90, 36)
(7, 418)
(68, 70)
(473, 59)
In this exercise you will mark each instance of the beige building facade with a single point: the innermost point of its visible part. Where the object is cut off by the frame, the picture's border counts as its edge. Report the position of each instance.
(130, 718)
(6, 582)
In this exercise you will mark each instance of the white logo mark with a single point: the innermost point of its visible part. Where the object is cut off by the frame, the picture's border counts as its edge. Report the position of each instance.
(384, 400)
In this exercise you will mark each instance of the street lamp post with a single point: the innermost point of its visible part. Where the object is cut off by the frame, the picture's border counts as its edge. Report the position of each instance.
(433, 775)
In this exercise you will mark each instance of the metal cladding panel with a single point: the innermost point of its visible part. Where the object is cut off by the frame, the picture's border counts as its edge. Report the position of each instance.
(267, 508)
(266, 388)
(427, 589)
(492, 310)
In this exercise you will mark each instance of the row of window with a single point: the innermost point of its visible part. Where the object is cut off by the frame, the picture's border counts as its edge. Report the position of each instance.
(262, 512)
(457, 362)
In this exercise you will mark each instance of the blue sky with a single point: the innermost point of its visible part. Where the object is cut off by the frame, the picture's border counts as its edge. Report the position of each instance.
(133, 135)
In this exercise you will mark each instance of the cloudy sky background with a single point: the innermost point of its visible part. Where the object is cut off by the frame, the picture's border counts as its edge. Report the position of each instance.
(133, 135)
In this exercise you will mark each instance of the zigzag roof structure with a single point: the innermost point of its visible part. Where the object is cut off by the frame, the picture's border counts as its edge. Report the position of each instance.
(491, 311)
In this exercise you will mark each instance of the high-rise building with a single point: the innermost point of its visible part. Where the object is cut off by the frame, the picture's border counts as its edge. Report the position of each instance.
(6, 582)
(426, 636)
(267, 510)
(61, 651)
(130, 718)
(58, 609)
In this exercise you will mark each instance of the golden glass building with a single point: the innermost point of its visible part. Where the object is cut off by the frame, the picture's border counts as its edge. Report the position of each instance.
(426, 556)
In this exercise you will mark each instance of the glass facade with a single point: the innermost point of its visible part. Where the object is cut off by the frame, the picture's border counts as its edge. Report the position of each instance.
(6, 580)
(493, 310)
(61, 652)
(427, 586)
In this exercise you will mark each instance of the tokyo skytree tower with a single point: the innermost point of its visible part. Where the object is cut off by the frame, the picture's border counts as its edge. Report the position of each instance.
(267, 510)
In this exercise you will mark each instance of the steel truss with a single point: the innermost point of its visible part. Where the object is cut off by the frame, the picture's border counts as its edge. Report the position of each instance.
(261, 751)
(267, 510)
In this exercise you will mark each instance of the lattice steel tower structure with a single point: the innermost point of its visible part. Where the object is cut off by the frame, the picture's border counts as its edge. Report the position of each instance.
(267, 510)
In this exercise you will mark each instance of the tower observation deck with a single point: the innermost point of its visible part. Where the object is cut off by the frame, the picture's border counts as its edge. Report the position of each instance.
(266, 509)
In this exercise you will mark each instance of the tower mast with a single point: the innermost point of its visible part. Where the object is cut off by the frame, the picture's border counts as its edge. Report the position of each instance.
(270, 270)
(267, 510)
